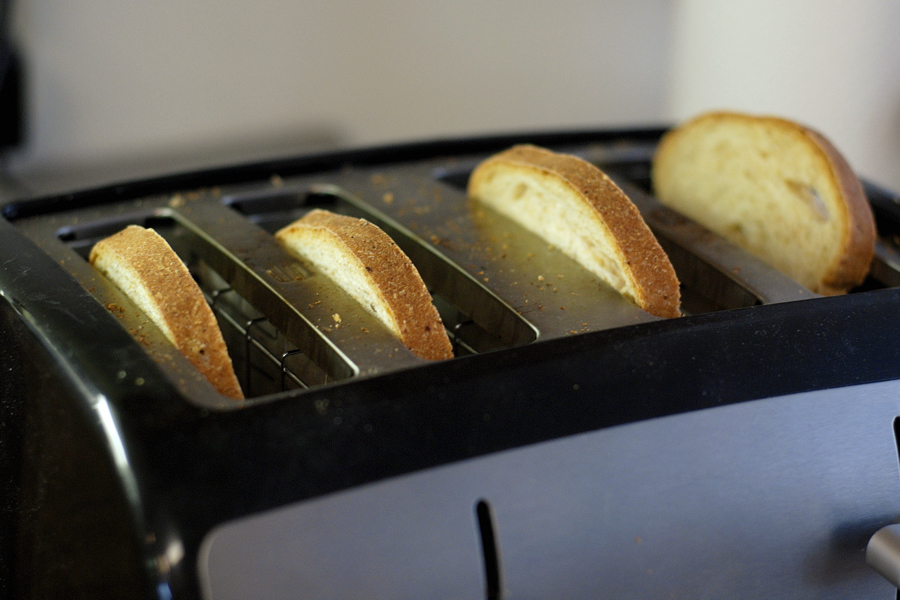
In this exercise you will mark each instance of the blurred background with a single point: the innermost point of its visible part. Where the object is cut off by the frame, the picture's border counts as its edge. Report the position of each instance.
(121, 89)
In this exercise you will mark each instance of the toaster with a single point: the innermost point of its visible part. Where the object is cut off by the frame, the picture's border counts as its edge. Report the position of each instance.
(574, 447)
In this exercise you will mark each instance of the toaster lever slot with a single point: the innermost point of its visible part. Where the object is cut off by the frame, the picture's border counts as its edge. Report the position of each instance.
(490, 551)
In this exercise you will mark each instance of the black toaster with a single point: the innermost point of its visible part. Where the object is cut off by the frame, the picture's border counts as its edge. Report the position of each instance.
(574, 447)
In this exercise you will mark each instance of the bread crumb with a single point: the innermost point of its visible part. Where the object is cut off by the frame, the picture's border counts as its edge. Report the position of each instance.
(336, 317)
(387, 198)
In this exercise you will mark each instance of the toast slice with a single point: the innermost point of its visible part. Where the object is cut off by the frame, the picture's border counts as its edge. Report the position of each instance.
(370, 267)
(576, 207)
(143, 265)
(775, 188)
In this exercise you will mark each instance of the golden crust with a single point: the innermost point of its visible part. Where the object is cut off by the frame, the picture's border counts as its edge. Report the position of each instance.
(859, 237)
(642, 259)
(850, 267)
(391, 272)
(161, 278)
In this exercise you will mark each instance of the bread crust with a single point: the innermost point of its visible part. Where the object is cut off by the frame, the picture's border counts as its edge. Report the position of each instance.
(640, 257)
(399, 286)
(143, 265)
(850, 265)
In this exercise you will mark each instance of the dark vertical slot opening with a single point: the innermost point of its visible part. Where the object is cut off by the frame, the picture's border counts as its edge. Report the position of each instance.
(489, 550)
(897, 436)
(897, 444)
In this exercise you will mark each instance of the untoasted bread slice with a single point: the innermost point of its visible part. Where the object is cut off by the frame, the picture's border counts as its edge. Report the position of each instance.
(143, 265)
(576, 207)
(371, 268)
(775, 188)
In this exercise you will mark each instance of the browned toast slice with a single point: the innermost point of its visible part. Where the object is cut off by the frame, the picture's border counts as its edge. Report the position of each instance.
(143, 265)
(370, 267)
(577, 208)
(775, 188)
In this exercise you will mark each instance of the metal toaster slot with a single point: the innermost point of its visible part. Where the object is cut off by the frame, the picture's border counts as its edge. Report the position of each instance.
(475, 319)
(539, 283)
(635, 172)
(885, 269)
(265, 360)
(715, 275)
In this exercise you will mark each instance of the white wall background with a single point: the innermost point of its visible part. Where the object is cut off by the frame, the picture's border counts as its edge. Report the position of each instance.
(831, 64)
(178, 83)
(114, 80)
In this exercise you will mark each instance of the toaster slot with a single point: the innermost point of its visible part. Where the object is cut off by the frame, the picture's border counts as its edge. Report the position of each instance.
(635, 172)
(555, 294)
(265, 359)
(475, 319)
(885, 268)
(714, 274)
(267, 362)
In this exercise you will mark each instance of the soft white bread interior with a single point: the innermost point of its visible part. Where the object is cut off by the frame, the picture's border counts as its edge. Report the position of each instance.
(370, 267)
(577, 208)
(143, 265)
(775, 188)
